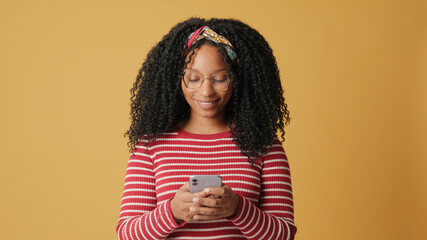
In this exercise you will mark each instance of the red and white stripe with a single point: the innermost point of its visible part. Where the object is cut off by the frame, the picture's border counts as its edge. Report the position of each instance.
(155, 172)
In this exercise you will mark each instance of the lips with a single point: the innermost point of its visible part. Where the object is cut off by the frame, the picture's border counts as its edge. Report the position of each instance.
(207, 104)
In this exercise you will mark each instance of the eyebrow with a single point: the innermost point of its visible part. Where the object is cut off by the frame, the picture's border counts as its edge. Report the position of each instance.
(222, 69)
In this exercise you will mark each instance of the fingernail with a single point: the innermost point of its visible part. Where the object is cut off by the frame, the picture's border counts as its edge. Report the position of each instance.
(206, 190)
(195, 199)
(192, 209)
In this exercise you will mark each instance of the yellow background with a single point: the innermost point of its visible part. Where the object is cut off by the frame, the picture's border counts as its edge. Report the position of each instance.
(355, 76)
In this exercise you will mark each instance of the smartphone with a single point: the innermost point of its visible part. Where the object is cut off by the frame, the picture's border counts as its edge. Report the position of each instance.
(200, 182)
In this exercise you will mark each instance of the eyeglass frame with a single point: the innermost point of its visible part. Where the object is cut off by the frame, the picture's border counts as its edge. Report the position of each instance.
(210, 80)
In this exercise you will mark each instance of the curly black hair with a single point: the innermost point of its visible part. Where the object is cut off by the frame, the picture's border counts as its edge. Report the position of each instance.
(257, 108)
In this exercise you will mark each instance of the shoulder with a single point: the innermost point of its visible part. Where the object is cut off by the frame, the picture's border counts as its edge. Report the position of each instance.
(275, 151)
(146, 144)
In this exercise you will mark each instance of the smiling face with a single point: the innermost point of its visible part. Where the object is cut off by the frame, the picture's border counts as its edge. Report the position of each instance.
(205, 102)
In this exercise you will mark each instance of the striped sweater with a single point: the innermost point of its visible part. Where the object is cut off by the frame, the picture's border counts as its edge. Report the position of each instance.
(156, 171)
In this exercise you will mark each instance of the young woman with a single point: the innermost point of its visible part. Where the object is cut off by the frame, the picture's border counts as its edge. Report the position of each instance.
(208, 101)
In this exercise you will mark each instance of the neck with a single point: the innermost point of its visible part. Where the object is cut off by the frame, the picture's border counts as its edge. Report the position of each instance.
(203, 125)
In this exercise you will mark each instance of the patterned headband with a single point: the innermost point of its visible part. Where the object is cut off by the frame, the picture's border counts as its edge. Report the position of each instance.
(206, 32)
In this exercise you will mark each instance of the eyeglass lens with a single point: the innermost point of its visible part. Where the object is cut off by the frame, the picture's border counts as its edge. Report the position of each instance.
(218, 81)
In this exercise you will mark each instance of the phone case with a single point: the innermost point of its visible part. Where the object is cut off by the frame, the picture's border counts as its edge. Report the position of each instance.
(200, 182)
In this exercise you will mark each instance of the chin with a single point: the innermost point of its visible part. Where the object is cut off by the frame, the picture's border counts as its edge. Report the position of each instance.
(208, 114)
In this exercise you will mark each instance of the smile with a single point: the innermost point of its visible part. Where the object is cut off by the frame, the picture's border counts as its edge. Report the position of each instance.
(207, 103)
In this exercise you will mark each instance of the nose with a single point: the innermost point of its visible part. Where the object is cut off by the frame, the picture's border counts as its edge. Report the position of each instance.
(206, 89)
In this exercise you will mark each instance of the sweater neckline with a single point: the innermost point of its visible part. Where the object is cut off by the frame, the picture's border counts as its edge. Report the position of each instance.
(225, 134)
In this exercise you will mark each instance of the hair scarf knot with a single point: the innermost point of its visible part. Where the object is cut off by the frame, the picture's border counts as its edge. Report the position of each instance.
(206, 32)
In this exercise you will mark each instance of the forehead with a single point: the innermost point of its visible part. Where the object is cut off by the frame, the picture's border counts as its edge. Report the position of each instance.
(207, 59)
(195, 71)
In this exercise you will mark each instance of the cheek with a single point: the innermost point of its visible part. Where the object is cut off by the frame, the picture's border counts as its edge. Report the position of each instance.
(184, 91)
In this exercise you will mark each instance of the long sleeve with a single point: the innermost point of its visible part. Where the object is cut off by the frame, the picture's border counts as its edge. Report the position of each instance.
(156, 172)
(140, 217)
(274, 218)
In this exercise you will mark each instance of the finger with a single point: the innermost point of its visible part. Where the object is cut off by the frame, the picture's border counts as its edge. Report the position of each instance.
(205, 218)
(226, 188)
(181, 211)
(188, 214)
(185, 197)
(200, 194)
(215, 191)
(209, 202)
(206, 211)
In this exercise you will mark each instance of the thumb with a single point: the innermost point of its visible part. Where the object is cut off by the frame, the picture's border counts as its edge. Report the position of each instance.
(185, 187)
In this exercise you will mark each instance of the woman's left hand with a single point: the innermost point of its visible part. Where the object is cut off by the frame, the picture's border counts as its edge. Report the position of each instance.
(214, 203)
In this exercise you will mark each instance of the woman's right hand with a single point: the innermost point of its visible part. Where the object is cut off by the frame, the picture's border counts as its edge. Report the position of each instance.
(181, 205)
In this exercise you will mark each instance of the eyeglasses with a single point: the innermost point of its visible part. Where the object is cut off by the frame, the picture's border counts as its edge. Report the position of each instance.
(219, 81)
